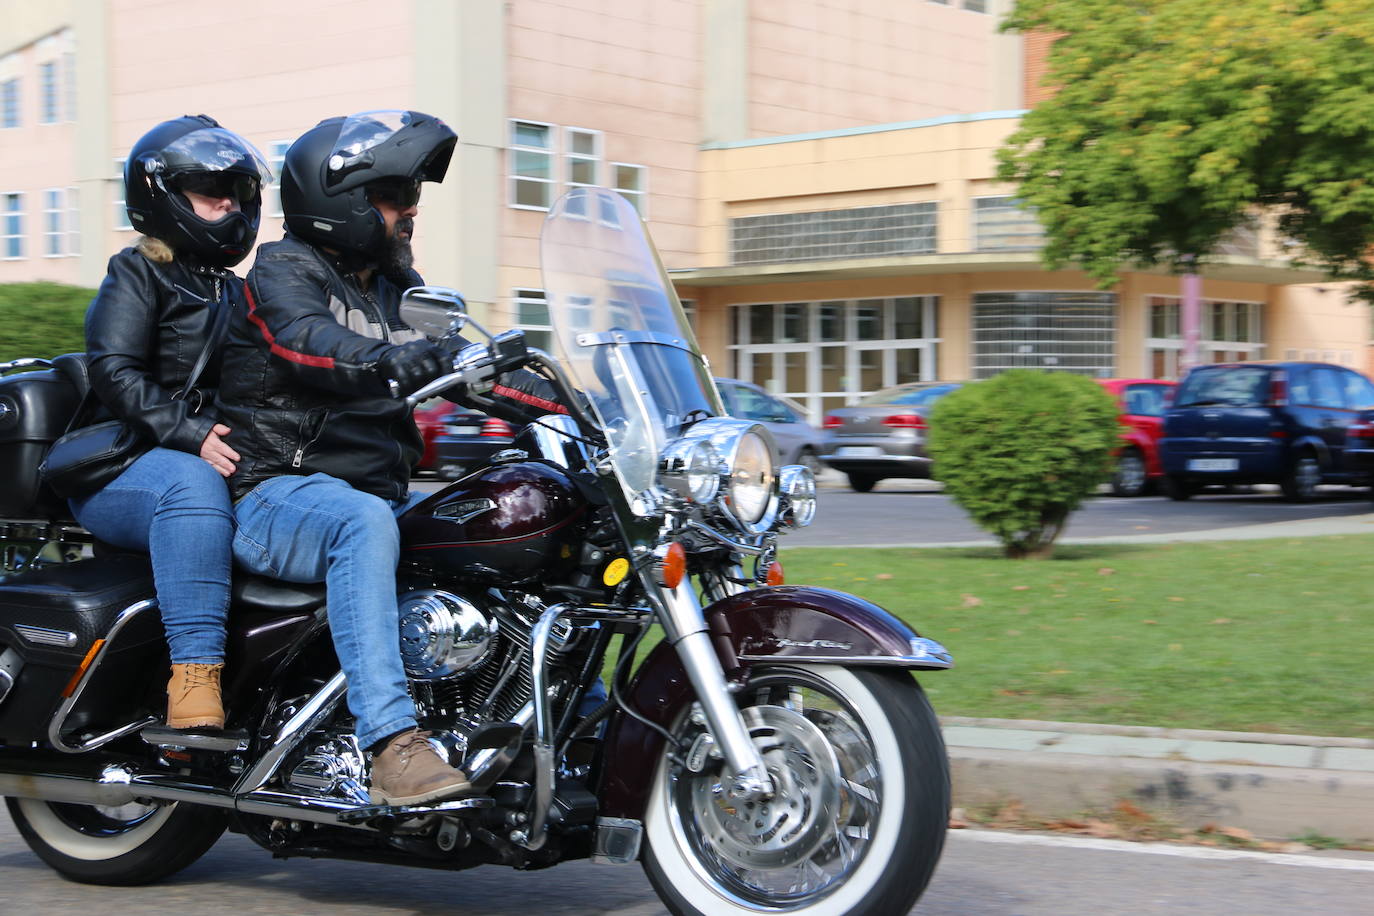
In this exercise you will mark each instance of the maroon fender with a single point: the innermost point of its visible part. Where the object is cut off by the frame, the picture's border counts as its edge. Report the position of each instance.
(783, 625)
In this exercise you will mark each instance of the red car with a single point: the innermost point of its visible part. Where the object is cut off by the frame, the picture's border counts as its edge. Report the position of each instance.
(430, 417)
(1141, 402)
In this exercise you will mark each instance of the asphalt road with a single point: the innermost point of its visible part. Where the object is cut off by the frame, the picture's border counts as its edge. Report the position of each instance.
(981, 874)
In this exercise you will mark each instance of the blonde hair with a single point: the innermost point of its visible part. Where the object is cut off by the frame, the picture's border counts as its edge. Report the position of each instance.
(155, 250)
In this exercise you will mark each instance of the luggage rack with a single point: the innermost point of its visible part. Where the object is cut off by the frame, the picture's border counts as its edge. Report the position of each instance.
(30, 543)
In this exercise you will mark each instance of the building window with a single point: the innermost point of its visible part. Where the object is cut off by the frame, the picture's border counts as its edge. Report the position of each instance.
(632, 181)
(1228, 332)
(1000, 224)
(583, 157)
(976, 6)
(47, 92)
(121, 214)
(9, 102)
(73, 222)
(531, 165)
(1058, 331)
(13, 227)
(896, 229)
(532, 317)
(276, 152)
(54, 219)
(830, 354)
(69, 83)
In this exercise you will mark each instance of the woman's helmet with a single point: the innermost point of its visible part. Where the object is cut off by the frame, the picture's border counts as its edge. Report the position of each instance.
(327, 172)
(193, 153)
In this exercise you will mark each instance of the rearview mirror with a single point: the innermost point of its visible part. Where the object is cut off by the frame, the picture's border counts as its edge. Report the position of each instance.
(434, 311)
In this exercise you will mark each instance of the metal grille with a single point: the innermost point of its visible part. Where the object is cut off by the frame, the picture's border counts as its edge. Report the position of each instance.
(829, 234)
(1065, 332)
(999, 224)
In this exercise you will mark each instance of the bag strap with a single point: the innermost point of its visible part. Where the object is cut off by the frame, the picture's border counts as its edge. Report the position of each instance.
(217, 330)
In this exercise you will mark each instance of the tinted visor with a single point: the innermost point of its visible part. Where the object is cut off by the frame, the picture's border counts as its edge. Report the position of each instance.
(402, 194)
(235, 185)
(214, 149)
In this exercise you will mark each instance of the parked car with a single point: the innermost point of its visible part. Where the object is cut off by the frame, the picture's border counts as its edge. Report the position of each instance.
(1359, 447)
(1142, 402)
(1285, 422)
(884, 435)
(466, 441)
(430, 417)
(798, 441)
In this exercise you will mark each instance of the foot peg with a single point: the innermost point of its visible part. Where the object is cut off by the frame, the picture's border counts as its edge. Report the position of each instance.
(196, 739)
(373, 812)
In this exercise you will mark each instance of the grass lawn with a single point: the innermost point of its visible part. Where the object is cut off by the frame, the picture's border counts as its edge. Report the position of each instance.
(1273, 636)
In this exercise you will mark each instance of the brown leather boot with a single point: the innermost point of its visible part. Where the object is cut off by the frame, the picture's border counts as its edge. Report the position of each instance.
(408, 771)
(193, 697)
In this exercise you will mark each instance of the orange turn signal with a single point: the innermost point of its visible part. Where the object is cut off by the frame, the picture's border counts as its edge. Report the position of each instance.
(85, 663)
(672, 569)
(775, 576)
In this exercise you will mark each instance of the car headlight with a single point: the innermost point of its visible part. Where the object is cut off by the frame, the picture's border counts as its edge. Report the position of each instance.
(751, 479)
(692, 467)
(798, 486)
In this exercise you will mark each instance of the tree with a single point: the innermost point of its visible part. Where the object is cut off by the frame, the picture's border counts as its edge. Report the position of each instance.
(1021, 450)
(1173, 120)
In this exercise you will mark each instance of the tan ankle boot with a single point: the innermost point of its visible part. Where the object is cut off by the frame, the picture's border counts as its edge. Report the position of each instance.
(409, 772)
(193, 697)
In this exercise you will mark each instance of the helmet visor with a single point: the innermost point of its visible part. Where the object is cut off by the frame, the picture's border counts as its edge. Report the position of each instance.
(362, 131)
(236, 185)
(214, 149)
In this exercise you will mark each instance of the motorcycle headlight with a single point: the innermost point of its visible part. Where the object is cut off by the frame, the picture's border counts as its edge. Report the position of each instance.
(691, 467)
(798, 486)
(751, 479)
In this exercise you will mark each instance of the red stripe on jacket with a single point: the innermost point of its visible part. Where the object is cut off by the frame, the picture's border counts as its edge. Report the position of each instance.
(305, 359)
(517, 395)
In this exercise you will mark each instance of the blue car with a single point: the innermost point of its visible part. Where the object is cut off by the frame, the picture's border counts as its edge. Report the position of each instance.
(1287, 423)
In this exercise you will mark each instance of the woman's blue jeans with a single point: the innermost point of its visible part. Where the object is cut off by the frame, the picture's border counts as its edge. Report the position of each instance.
(176, 507)
(320, 529)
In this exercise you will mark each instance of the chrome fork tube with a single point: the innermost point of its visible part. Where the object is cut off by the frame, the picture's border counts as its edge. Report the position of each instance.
(534, 836)
(685, 626)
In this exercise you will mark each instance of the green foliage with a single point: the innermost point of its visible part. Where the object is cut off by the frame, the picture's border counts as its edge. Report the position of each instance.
(42, 319)
(1021, 450)
(1175, 119)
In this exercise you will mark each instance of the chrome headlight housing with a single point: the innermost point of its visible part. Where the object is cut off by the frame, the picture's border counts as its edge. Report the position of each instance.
(691, 467)
(745, 480)
(798, 486)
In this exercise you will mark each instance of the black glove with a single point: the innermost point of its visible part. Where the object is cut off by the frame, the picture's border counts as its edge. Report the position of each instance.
(413, 365)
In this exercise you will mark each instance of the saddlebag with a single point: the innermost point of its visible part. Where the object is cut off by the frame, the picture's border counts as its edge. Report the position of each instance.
(35, 408)
(51, 618)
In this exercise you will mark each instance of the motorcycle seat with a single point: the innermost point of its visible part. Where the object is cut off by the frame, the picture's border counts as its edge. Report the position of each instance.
(259, 593)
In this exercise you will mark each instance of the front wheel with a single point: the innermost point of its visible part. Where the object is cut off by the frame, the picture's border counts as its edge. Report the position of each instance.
(1299, 484)
(129, 845)
(859, 814)
(1130, 477)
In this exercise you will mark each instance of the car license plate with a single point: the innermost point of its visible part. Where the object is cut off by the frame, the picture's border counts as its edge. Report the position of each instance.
(1213, 464)
(859, 451)
(462, 430)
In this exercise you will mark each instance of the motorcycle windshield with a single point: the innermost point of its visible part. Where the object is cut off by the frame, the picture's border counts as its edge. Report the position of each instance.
(621, 330)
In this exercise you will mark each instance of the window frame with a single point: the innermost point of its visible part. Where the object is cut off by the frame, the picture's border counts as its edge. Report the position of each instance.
(521, 295)
(277, 164)
(73, 217)
(570, 157)
(54, 222)
(5, 235)
(122, 223)
(18, 106)
(514, 177)
(49, 92)
(638, 198)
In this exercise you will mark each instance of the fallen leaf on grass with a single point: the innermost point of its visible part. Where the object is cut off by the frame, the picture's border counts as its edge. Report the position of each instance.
(883, 576)
(1132, 811)
(1106, 571)
(1222, 620)
(1176, 598)
(971, 600)
(1101, 829)
(1020, 588)
(1236, 833)
(1150, 623)
(1175, 647)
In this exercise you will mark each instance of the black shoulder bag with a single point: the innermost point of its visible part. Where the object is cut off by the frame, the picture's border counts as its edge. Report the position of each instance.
(86, 458)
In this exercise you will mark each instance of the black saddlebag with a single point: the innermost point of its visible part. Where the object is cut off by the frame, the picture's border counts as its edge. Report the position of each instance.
(52, 618)
(35, 408)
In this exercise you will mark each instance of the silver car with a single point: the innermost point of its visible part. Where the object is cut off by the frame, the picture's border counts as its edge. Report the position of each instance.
(798, 441)
(884, 435)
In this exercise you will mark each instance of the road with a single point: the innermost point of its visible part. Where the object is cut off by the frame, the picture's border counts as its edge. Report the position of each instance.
(983, 873)
(917, 512)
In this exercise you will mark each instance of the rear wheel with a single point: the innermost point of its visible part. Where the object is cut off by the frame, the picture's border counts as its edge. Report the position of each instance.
(1178, 488)
(862, 483)
(858, 818)
(1130, 477)
(128, 845)
(1300, 481)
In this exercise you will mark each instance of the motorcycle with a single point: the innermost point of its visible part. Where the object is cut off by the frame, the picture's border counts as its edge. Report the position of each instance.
(771, 752)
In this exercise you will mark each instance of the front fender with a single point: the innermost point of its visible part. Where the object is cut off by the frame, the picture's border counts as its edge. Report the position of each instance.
(788, 625)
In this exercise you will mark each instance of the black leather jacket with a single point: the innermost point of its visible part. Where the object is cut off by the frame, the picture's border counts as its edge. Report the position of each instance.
(145, 330)
(301, 393)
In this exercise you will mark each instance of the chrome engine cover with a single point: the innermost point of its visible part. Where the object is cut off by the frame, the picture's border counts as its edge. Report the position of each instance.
(334, 767)
(443, 634)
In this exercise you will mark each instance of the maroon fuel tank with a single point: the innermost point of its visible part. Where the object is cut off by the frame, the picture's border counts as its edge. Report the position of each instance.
(503, 524)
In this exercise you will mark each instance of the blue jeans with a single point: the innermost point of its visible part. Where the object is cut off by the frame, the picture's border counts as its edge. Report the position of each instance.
(320, 529)
(176, 507)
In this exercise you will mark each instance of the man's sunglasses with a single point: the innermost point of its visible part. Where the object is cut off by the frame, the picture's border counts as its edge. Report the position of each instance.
(401, 194)
(242, 188)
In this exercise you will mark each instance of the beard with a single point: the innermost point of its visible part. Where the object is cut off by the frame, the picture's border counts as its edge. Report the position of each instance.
(399, 257)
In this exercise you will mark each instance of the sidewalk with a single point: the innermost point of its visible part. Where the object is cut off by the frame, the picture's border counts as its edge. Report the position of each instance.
(1275, 786)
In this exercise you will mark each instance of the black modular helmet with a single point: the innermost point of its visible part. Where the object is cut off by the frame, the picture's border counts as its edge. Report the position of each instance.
(327, 171)
(193, 153)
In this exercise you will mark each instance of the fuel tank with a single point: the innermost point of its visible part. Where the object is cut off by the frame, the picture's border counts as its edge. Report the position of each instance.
(503, 524)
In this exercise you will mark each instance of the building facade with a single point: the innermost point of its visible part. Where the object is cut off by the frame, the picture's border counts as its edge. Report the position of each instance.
(818, 174)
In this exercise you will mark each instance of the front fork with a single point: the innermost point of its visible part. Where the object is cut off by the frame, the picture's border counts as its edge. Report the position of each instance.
(685, 627)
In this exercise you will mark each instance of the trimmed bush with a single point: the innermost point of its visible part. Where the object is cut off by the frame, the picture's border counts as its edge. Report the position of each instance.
(42, 319)
(1021, 450)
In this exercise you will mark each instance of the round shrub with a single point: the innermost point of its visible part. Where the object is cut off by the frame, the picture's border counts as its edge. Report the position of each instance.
(1021, 450)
